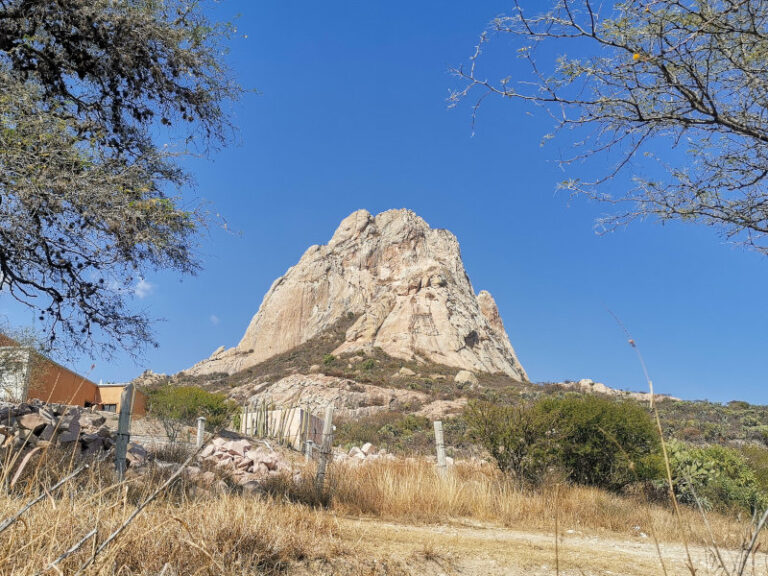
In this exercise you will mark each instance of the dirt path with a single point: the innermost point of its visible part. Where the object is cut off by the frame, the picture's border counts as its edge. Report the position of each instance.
(383, 548)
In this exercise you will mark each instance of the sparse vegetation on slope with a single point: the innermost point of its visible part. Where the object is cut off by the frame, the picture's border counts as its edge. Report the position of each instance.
(399, 427)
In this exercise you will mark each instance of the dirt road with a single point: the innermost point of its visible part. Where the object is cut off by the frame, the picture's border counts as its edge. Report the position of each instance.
(380, 548)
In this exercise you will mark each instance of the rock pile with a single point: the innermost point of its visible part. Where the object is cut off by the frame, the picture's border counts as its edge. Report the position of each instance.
(246, 465)
(37, 424)
(360, 455)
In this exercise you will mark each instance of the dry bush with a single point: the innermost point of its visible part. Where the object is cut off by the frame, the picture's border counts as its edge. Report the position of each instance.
(176, 452)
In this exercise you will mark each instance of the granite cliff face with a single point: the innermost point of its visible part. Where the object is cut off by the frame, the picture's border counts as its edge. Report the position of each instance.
(406, 284)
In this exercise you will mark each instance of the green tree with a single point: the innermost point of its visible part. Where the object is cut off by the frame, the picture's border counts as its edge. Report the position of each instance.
(180, 406)
(674, 91)
(88, 90)
(593, 440)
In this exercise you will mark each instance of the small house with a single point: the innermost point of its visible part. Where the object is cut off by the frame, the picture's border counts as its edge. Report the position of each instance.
(25, 374)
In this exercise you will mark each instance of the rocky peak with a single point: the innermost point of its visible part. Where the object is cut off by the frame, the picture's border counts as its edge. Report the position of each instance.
(406, 284)
(491, 312)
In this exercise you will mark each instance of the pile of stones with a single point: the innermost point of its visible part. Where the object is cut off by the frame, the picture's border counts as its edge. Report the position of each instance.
(359, 455)
(36, 424)
(247, 465)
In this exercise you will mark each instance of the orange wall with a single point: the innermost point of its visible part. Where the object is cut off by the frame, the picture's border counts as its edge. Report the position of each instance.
(111, 395)
(53, 383)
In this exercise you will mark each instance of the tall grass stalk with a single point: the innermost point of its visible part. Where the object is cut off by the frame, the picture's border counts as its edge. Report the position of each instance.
(748, 545)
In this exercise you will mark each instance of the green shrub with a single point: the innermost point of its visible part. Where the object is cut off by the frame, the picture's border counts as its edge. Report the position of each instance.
(717, 476)
(369, 364)
(515, 435)
(759, 433)
(738, 405)
(757, 459)
(601, 442)
(593, 440)
(329, 359)
(179, 406)
(403, 428)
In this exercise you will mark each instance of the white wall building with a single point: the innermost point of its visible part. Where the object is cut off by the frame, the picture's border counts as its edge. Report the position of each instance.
(14, 373)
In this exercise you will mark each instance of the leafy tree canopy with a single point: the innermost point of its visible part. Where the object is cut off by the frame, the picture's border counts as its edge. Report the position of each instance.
(602, 442)
(179, 406)
(87, 89)
(592, 440)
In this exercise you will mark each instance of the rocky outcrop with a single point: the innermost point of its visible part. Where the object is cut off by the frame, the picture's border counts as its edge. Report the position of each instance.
(592, 387)
(465, 378)
(316, 391)
(406, 285)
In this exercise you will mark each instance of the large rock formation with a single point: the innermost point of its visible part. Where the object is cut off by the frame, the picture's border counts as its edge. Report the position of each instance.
(406, 284)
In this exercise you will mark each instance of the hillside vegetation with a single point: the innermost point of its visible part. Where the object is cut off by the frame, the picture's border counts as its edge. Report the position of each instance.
(719, 452)
(698, 421)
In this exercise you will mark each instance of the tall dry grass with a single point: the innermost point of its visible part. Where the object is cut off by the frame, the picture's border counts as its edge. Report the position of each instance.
(188, 530)
(413, 491)
(183, 531)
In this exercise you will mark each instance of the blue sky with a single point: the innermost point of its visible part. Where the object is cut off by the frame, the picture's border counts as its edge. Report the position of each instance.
(351, 113)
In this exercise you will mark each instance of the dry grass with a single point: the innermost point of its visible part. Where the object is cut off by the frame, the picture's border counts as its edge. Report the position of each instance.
(191, 533)
(412, 491)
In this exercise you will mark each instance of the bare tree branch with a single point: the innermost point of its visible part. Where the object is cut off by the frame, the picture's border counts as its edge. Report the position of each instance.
(651, 75)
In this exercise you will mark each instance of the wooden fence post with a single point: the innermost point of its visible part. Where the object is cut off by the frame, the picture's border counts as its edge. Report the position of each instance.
(265, 420)
(123, 431)
(200, 431)
(440, 444)
(307, 415)
(325, 451)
